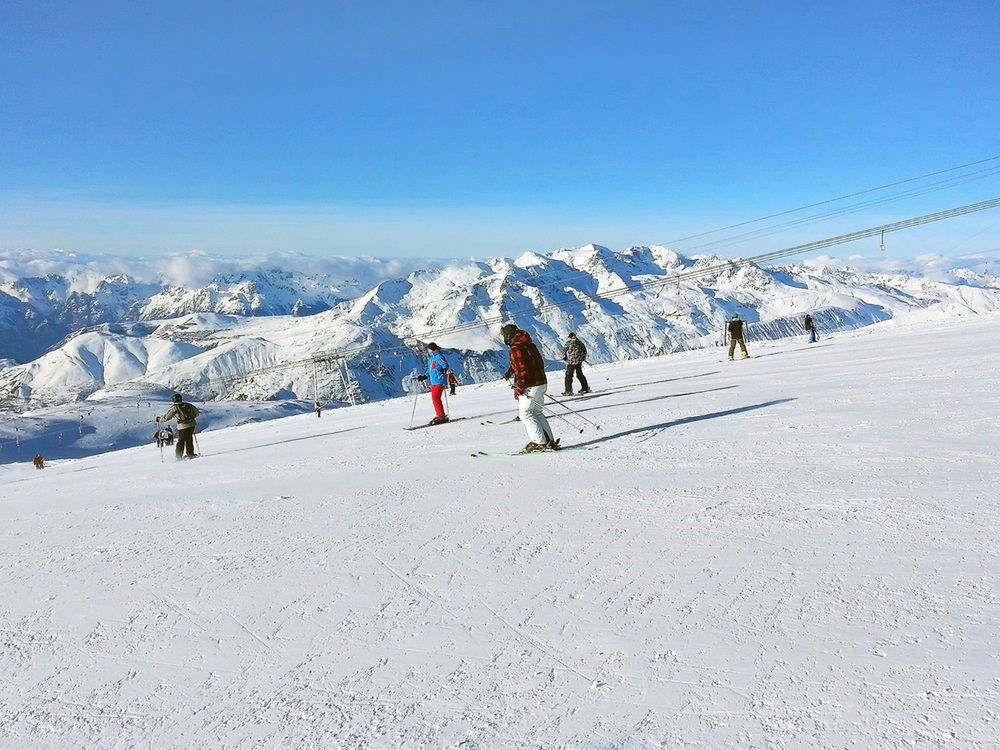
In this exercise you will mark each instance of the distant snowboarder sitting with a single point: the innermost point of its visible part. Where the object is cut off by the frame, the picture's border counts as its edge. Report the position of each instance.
(574, 354)
(811, 328)
(186, 415)
(735, 328)
(530, 384)
(452, 382)
(437, 375)
(38, 461)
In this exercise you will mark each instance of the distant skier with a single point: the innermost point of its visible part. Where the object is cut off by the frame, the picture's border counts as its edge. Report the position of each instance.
(811, 328)
(574, 354)
(735, 328)
(168, 435)
(452, 382)
(530, 384)
(319, 409)
(186, 415)
(437, 376)
(38, 461)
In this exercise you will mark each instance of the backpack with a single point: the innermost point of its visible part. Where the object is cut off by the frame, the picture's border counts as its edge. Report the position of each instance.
(188, 411)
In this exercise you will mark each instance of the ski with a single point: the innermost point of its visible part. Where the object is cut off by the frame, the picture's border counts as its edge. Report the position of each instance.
(483, 454)
(509, 421)
(422, 426)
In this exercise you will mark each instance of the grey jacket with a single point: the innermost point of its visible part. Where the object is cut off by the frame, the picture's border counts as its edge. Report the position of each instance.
(574, 352)
(184, 413)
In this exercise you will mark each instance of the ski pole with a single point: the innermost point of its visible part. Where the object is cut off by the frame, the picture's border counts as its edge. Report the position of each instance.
(196, 446)
(573, 411)
(159, 439)
(560, 416)
(414, 412)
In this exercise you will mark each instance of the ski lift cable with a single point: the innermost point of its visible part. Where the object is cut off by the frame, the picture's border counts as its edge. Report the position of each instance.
(690, 275)
(834, 200)
(845, 210)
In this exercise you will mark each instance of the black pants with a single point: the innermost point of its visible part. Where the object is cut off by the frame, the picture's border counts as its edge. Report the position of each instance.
(453, 387)
(185, 439)
(578, 369)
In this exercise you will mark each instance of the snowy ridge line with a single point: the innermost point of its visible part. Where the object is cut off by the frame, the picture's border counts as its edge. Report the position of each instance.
(343, 354)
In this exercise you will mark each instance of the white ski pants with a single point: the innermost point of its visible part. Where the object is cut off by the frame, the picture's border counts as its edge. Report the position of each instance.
(529, 406)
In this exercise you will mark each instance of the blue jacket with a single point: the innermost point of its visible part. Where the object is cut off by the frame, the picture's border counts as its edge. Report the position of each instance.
(437, 369)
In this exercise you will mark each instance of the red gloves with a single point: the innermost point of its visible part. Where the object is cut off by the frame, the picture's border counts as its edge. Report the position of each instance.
(518, 393)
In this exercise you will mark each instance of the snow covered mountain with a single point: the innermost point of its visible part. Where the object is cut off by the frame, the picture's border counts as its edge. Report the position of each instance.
(240, 349)
(43, 299)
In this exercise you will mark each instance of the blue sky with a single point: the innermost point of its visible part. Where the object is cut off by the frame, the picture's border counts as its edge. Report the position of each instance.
(467, 128)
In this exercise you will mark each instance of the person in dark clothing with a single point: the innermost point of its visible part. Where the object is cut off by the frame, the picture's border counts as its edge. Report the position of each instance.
(38, 461)
(574, 354)
(452, 382)
(735, 328)
(186, 415)
(528, 373)
(811, 328)
(318, 407)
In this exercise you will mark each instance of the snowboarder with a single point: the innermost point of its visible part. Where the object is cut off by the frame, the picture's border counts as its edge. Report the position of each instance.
(452, 382)
(437, 376)
(530, 385)
(811, 328)
(574, 354)
(38, 461)
(735, 328)
(186, 415)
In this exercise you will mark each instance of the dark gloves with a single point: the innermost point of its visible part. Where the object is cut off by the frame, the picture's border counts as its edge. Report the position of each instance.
(421, 378)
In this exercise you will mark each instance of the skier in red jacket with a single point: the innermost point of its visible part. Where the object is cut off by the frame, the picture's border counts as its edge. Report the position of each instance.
(530, 384)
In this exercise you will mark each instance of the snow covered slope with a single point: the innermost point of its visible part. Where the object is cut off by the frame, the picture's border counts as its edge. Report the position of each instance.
(232, 356)
(797, 550)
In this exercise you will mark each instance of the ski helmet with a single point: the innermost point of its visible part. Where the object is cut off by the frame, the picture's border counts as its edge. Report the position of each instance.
(736, 316)
(507, 332)
(432, 347)
(177, 398)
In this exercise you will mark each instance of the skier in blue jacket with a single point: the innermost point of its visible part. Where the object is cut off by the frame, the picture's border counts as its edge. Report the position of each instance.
(437, 374)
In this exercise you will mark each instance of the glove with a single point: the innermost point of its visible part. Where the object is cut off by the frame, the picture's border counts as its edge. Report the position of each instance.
(518, 393)
(421, 378)
(157, 419)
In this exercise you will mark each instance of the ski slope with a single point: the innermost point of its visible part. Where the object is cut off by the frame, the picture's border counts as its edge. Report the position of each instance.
(796, 550)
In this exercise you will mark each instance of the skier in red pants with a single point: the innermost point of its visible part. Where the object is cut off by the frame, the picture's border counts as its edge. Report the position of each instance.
(437, 374)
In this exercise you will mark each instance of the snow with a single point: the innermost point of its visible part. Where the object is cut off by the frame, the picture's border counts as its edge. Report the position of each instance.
(796, 550)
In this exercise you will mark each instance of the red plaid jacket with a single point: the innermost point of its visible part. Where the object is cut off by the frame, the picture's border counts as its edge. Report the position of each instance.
(526, 362)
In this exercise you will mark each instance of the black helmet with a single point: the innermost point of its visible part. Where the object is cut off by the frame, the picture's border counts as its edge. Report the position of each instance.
(432, 347)
(508, 332)
(177, 398)
(572, 335)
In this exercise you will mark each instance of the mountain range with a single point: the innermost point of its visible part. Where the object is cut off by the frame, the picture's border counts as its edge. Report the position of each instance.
(276, 332)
